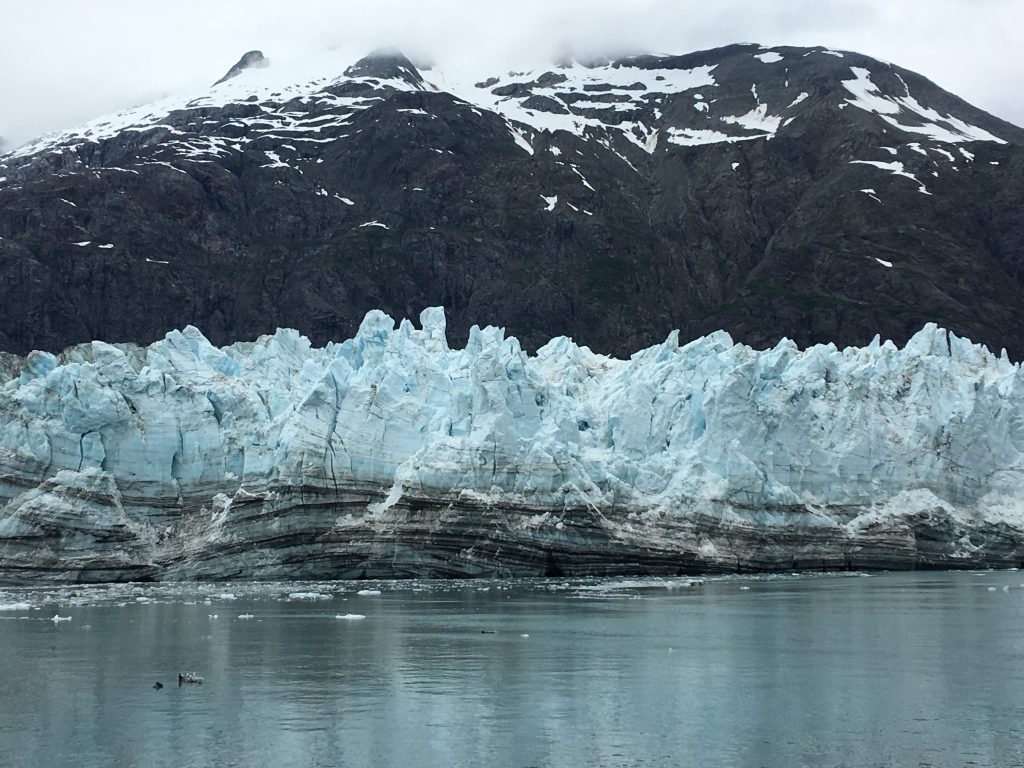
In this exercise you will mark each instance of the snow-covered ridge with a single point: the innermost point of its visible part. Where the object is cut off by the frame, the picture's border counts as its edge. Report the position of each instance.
(304, 83)
(638, 99)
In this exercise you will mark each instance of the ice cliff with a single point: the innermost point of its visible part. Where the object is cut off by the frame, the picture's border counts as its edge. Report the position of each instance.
(393, 455)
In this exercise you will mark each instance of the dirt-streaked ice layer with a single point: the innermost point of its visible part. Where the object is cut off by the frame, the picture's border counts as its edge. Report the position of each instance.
(392, 455)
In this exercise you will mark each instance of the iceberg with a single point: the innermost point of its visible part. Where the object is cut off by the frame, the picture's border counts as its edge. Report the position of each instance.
(393, 455)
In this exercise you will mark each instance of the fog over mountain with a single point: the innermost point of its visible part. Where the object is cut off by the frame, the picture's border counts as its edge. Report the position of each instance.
(75, 61)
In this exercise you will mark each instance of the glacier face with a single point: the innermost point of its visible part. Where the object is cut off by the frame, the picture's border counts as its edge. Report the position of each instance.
(393, 455)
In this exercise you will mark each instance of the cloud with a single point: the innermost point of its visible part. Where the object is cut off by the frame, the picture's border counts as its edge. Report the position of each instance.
(74, 61)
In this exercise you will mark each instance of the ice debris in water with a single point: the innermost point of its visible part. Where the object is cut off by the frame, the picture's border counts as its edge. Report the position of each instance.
(350, 616)
(16, 606)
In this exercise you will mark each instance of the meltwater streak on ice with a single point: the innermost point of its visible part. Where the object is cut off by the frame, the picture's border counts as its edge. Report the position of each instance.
(392, 454)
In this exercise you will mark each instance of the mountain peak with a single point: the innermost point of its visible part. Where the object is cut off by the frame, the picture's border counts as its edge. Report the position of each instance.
(768, 191)
(249, 60)
(386, 63)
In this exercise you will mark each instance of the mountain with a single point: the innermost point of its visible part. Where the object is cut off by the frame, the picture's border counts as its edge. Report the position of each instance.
(394, 455)
(771, 192)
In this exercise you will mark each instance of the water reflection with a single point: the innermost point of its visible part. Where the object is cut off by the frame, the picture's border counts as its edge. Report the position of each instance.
(904, 669)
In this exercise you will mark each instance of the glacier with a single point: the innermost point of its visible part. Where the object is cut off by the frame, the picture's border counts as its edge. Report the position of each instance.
(393, 455)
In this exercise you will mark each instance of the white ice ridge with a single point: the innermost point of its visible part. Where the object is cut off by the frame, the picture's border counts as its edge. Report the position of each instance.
(871, 431)
(946, 128)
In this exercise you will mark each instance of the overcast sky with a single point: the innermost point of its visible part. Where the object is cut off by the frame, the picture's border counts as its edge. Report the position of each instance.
(66, 61)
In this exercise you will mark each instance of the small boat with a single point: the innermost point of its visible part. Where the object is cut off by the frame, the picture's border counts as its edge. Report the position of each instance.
(185, 678)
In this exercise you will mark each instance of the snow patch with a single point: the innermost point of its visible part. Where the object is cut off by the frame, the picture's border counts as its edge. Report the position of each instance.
(938, 127)
(804, 95)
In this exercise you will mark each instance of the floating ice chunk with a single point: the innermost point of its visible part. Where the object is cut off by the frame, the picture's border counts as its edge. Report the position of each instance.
(57, 619)
(365, 592)
(107, 246)
(374, 223)
(83, 243)
(226, 596)
(245, 616)
(884, 263)
(309, 596)
(16, 606)
(551, 202)
(350, 616)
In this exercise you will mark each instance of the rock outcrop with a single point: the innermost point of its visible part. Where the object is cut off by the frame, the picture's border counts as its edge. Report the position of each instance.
(249, 60)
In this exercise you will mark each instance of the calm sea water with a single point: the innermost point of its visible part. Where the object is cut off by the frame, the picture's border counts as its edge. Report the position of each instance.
(886, 670)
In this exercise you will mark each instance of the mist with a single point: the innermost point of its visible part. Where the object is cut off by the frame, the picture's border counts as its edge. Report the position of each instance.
(66, 61)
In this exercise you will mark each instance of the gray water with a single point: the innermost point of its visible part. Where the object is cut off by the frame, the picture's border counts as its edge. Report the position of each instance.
(886, 670)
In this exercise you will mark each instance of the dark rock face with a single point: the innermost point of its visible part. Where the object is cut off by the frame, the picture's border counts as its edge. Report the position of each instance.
(249, 60)
(303, 539)
(737, 188)
(384, 64)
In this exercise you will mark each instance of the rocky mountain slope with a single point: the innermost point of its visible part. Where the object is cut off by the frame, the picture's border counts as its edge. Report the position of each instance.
(393, 455)
(808, 193)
